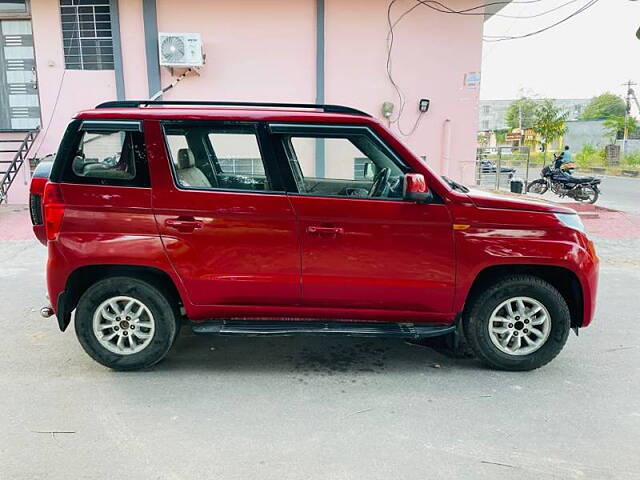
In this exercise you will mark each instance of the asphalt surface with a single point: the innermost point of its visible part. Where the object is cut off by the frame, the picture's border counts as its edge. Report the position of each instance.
(617, 193)
(314, 407)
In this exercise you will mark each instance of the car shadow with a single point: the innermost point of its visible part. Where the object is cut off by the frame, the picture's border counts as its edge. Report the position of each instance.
(307, 355)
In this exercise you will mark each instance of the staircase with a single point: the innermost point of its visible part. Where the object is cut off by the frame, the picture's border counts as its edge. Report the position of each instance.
(13, 153)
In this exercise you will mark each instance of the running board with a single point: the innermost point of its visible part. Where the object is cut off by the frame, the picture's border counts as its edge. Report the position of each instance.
(360, 329)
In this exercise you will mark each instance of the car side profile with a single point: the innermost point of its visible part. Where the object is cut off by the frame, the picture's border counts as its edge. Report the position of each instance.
(267, 219)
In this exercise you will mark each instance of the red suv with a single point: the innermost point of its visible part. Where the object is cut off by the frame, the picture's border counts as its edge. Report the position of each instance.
(241, 218)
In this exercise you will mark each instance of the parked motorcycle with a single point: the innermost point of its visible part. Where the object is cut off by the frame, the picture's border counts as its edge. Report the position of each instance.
(563, 183)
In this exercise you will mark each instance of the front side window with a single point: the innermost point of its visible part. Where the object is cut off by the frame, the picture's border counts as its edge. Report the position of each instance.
(344, 166)
(225, 157)
(86, 34)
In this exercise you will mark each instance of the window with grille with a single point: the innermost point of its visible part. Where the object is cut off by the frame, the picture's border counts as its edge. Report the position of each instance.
(86, 34)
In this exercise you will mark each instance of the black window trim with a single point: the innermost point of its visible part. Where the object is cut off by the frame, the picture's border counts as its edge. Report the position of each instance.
(62, 170)
(264, 144)
(320, 130)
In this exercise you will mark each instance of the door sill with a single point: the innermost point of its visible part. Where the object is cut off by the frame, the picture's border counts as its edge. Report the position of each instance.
(360, 329)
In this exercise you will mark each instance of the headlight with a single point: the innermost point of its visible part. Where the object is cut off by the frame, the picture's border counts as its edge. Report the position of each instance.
(571, 220)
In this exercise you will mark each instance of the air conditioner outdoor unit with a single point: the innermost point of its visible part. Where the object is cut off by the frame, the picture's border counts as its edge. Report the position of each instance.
(180, 49)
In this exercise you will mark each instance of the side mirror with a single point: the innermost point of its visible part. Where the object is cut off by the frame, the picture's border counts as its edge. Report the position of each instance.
(415, 188)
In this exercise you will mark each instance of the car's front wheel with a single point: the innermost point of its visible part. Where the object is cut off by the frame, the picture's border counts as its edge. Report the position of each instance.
(125, 323)
(518, 323)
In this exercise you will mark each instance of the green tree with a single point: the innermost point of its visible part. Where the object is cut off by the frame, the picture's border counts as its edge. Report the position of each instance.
(501, 136)
(614, 126)
(524, 106)
(549, 123)
(604, 106)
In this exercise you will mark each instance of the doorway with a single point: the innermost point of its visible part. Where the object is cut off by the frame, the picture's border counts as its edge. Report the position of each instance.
(19, 104)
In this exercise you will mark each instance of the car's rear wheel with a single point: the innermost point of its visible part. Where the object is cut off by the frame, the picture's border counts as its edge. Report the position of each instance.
(125, 323)
(518, 323)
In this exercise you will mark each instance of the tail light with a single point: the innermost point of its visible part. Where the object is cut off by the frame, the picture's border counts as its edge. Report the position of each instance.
(53, 207)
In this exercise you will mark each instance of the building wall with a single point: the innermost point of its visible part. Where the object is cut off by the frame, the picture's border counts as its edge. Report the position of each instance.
(265, 50)
(585, 132)
(62, 92)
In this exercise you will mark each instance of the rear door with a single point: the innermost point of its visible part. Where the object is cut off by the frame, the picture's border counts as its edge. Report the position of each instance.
(223, 215)
(364, 247)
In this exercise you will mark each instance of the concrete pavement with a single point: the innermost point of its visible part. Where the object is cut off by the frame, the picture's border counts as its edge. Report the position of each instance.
(315, 408)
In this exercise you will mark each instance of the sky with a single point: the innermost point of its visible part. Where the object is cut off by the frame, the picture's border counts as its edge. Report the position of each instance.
(594, 52)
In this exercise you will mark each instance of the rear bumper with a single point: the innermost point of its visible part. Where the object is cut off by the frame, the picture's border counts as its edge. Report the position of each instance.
(57, 274)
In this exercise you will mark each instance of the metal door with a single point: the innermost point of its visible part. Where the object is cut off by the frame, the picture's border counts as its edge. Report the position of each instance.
(19, 105)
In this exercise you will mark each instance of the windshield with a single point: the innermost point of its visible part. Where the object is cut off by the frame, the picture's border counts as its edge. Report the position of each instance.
(455, 185)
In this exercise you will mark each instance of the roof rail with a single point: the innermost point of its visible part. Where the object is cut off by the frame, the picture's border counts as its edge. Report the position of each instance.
(325, 108)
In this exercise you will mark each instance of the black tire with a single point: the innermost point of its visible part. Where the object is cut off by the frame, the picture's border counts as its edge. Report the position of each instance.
(481, 307)
(538, 186)
(592, 196)
(164, 313)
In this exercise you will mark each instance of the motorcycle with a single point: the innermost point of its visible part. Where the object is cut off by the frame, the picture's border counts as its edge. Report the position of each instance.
(563, 183)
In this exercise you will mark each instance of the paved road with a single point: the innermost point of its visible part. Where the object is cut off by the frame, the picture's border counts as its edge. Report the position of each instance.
(316, 408)
(618, 193)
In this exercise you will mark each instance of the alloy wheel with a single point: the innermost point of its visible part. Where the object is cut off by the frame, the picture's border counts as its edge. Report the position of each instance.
(123, 325)
(519, 326)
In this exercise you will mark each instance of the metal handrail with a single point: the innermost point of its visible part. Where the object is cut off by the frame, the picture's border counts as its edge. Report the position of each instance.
(16, 163)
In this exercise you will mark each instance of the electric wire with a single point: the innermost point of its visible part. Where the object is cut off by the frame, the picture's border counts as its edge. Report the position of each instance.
(502, 38)
(487, 38)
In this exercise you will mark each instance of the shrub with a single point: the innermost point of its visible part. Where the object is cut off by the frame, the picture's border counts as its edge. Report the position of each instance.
(590, 156)
(632, 159)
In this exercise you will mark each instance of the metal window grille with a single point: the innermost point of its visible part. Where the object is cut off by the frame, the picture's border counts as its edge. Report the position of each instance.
(86, 34)
(358, 168)
(241, 166)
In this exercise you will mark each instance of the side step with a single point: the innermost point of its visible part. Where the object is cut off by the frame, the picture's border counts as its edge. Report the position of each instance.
(360, 329)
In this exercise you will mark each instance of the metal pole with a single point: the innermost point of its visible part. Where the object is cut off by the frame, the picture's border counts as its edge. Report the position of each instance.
(320, 152)
(498, 168)
(526, 175)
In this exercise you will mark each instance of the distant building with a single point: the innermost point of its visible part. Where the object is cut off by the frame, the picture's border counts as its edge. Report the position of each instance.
(492, 112)
(586, 132)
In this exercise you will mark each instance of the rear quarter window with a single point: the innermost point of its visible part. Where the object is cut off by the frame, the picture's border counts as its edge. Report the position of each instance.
(108, 157)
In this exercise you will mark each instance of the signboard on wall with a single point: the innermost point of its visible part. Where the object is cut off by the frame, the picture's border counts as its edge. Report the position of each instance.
(513, 137)
(472, 80)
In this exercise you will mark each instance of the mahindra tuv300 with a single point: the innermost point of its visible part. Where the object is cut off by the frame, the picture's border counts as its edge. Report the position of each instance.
(281, 219)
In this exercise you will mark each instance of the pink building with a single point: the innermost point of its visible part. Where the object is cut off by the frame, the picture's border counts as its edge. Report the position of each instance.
(61, 56)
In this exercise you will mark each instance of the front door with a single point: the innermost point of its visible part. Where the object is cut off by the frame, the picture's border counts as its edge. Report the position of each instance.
(363, 246)
(19, 105)
(224, 218)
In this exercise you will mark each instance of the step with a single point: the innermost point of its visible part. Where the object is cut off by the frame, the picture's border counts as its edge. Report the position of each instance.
(303, 327)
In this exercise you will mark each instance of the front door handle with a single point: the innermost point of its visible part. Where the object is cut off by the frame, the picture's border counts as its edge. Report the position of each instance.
(183, 224)
(314, 229)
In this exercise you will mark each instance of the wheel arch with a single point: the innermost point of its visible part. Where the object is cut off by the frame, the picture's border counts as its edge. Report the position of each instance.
(563, 279)
(83, 277)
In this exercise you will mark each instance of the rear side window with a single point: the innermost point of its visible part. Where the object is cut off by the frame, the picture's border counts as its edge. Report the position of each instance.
(109, 154)
(217, 157)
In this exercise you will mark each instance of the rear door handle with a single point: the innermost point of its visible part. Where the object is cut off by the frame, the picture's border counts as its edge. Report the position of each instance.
(314, 229)
(183, 224)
